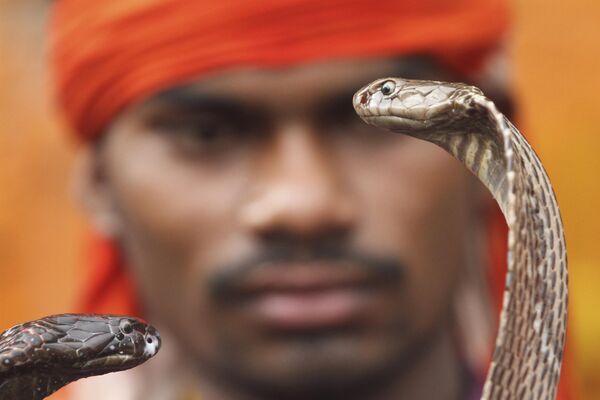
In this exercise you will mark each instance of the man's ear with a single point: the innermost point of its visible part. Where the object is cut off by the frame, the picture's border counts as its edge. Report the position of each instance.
(93, 193)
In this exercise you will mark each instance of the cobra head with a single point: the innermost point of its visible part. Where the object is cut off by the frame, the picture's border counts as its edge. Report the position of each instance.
(411, 106)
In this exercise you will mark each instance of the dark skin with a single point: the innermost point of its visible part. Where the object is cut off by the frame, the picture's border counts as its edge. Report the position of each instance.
(292, 251)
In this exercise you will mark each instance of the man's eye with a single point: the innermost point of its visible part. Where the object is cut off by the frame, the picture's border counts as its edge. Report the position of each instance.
(342, 119)
(203, 132)
(341, 124)
(199, 134)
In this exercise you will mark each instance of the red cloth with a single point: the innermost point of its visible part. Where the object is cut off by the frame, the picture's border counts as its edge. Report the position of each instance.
(106, 55)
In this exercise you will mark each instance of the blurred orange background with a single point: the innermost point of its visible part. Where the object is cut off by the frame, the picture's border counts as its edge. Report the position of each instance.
(555, 55)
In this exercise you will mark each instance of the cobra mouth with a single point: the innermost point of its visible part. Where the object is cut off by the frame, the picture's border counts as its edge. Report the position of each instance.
(123, 359)
(405, 125)
(112, 362)
(373, 116)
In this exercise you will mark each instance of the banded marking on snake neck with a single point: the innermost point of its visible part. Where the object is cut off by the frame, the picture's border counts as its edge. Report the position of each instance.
(460, 119)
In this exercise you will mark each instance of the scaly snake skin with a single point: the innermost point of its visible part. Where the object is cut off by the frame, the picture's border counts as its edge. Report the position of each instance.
(39, 357)
(460, 119)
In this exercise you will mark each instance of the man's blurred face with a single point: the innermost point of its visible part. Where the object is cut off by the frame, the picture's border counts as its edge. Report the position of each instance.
(285, 243)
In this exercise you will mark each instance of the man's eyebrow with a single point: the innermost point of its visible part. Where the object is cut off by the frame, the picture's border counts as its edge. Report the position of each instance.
(192, 100)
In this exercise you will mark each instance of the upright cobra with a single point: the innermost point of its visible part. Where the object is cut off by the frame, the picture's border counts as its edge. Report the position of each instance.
(39, 357)
(460, 119)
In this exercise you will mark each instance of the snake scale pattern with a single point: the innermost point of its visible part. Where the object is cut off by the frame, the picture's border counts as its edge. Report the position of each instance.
(457, 117)
(39, 357)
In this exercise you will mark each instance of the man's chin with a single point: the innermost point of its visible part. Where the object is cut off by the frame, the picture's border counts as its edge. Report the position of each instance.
(315, 365)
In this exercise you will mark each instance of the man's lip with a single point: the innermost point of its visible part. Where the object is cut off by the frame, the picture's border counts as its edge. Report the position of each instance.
(300, 297)
(309, 310)
(305, 278)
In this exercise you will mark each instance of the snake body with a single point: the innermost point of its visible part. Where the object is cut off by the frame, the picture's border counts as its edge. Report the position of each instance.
(39, 357)
(457, 117)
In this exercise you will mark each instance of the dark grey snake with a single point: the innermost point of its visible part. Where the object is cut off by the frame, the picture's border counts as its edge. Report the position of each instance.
(459, 118)
(39, 357)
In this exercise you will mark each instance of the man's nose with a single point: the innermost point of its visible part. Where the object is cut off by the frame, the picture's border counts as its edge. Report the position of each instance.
(299, 190)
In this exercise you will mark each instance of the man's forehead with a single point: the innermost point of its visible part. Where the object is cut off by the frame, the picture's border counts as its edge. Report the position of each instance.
(298, 84)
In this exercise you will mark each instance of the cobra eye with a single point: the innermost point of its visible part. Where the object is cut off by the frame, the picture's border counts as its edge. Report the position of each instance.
(126, 327)
(388, 88)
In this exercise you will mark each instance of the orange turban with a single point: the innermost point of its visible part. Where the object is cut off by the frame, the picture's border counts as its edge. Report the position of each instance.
(106, 55)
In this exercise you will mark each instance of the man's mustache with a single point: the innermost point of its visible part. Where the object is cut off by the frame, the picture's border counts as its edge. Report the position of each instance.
(225, 282)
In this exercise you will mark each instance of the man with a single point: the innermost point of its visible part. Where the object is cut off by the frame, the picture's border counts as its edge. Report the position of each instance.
(285, 249)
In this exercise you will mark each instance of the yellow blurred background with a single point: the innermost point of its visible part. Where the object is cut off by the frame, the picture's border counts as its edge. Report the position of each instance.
(555, 54)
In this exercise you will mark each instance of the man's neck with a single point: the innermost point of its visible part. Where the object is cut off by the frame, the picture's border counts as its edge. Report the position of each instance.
(438, 374)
